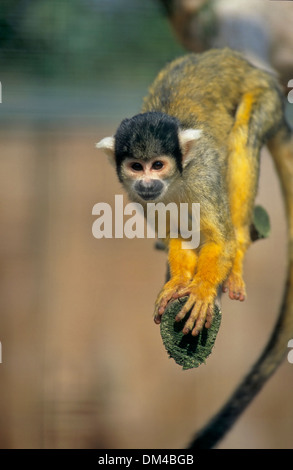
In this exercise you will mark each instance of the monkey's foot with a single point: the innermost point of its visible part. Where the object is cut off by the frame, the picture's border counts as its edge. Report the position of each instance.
(171, 288)
(200, 303)
(235, 285)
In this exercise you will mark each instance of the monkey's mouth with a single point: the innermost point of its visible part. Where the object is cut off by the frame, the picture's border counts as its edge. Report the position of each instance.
(149, 191)
(149, 196)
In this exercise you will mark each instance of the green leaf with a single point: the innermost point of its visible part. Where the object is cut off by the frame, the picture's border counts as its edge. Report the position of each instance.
(188, 351)
(261, 222)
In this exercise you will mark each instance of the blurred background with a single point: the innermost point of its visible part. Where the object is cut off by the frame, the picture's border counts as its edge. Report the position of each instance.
(83, 364)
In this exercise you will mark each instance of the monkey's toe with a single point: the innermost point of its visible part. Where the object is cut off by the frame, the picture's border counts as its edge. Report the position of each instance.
(235, 285)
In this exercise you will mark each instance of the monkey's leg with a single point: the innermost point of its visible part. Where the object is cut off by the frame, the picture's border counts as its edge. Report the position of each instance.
(182, 265)
(243, 169)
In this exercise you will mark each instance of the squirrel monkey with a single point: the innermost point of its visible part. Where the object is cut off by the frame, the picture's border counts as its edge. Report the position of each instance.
(198, 139)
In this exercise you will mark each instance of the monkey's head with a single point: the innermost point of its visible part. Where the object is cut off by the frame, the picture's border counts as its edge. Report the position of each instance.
(149, 151)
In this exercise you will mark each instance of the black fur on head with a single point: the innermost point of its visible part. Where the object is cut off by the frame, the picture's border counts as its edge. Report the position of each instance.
(148, 135)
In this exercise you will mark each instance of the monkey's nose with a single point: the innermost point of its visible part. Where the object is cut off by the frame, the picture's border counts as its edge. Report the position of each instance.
(148, 190)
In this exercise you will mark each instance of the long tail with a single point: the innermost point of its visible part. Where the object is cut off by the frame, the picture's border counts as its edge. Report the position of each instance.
(281, 148)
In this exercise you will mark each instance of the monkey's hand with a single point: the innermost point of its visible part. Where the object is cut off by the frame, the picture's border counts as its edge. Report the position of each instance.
(235, 285)
(200, 303)
(170, 289)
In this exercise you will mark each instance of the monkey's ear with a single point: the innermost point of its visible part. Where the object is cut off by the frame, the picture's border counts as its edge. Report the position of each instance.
(187, 138)
(108, 145)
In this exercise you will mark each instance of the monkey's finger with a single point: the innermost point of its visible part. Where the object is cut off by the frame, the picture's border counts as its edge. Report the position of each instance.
(181, 293)
(209, 316)
(157, 315)
(161, 307)
(164, 302)
(233, 295)
(194, 316)
(157, 319)
(185, 309)
(200, 316)
(237, 295)
(204, 319)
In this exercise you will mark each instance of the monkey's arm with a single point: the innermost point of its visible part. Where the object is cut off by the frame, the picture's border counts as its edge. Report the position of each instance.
(182, 264)
(214, 263)
(197, 274)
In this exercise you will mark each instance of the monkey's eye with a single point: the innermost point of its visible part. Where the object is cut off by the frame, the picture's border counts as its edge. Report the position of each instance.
(157, 165)
(136, 166)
